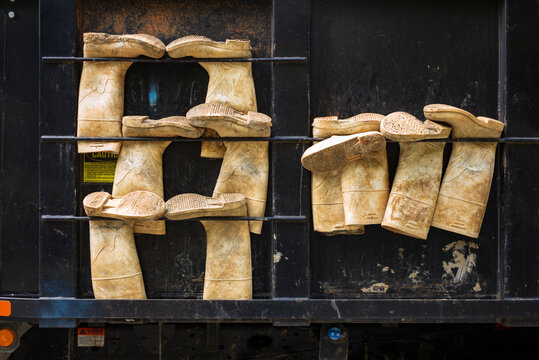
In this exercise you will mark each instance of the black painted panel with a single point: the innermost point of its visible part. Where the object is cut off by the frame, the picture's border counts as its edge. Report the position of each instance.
(290, 182)
(521, 193)
(19, 149)
(57, 162)
(386, 56)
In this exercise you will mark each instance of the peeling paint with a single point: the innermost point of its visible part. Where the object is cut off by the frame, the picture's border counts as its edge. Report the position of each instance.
(378, 288)
(477, 287)
(277, 257)
(463, 262)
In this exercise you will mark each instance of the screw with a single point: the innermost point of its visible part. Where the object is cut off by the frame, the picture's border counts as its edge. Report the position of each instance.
(334, 333)
(11, 14)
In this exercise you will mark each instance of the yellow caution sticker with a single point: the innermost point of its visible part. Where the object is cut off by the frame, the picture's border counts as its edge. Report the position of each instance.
(99, 167)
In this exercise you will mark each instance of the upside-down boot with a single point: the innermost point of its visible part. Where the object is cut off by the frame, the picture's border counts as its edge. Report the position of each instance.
(417, 180)
(336, 209)
(466, 184)
(140, 163)
(337, 151)
(230, 83)
(115, 266)
(245, 166)
(101, 90)
(228, 248)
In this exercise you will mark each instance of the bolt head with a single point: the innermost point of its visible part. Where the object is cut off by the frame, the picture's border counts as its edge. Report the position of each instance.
(11, 14)
(334, 333)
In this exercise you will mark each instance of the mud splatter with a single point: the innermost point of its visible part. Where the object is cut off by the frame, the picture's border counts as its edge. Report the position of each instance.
(378, 288)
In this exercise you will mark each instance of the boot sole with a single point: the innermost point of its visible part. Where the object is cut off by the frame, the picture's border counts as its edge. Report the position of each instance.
(171, 126)
(401, 126)
(201, 46)
(188, 206)
(137, 205)
(216, 116)
(141, 44)
(337, 151)
(332, 125)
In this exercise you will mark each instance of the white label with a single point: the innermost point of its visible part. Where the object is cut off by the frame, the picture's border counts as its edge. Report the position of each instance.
(89, 337)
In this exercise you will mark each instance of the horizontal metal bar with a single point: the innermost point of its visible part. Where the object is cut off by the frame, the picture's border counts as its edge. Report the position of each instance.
(58, 138)
(284, 218)
(300, 139)
(521, 311)
(72, 59)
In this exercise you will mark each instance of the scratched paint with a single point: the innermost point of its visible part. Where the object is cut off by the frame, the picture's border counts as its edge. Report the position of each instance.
(461, 265)
(378, 288)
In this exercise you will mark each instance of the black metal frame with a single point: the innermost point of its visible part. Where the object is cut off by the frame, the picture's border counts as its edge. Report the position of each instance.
(291, 303)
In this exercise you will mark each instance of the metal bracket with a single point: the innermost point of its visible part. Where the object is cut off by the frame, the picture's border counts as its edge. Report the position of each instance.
(333, 342)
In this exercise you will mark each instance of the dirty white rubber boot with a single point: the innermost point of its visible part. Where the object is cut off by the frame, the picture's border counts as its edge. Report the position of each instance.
(115, 266)
(417, 180)
(337, 151)
(137, 205)
(228, 251)
(245, 166)
(466, 184)
(101, 89)
(365, 182)
(140, 163)
(230, 84)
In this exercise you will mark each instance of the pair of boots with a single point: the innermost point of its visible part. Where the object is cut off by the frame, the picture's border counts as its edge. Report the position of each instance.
(347, 198)
(416, 199)
(115, 267)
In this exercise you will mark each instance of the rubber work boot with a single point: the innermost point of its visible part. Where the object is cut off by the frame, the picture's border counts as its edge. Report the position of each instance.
(137, 205)
(245, 166)
(337, 151)
(466, 184)
(115, 266)
(229, 83)
(417, 180)
(228, 248)
(101, 90)
(365, 181)
(140, 163)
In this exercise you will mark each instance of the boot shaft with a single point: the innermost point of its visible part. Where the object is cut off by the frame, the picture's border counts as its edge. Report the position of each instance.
(115, 266)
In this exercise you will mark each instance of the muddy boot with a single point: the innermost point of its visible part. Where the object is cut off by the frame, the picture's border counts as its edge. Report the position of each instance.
(327, 202)
(137, 205)
(466, 184)
(245, 166)
(101, 90)
(115, 267)
(337, 151)
(417, 180)
(230, 83)
(228, 250)
(140, 163)
(326, 193)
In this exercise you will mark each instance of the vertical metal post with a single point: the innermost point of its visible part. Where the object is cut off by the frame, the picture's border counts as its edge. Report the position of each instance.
(57, 163)
(290, 182)
(500, 153)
